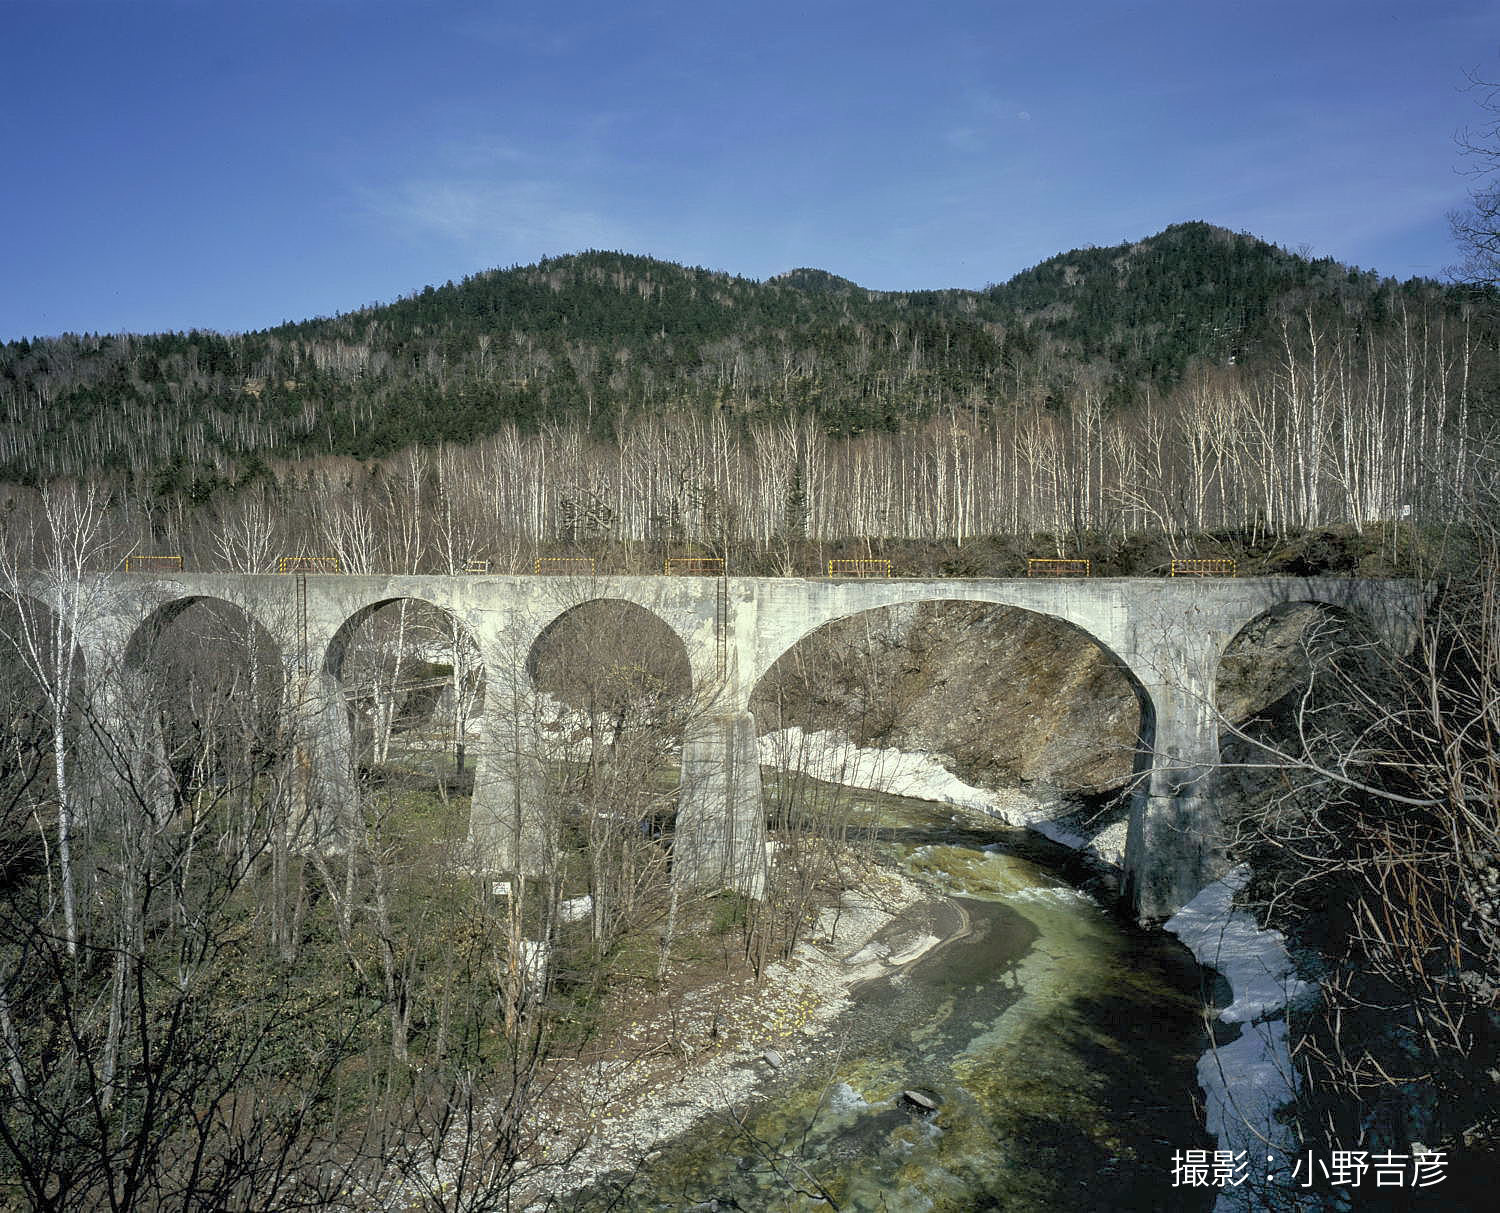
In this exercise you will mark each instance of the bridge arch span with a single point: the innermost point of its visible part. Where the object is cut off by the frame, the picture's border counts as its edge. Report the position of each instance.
(613, 632)
(197, 701)
(146, 634)
(1391, 638)
(1079, 669)
(335, 650)
(1096, 616)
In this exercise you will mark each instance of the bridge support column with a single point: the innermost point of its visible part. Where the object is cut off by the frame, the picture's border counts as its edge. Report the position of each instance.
(510, 825)
(721, 824)
(325, 800)
(1172, 848)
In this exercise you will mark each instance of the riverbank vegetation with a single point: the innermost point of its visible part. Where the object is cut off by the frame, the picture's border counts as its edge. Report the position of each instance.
(1364, 797)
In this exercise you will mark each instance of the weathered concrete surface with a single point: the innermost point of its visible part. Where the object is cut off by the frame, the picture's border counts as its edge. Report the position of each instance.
(721, 826)
(1167, 634)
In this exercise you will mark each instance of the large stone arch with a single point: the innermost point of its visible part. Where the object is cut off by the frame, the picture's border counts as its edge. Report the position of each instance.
(1092, 610)
(1145, 721)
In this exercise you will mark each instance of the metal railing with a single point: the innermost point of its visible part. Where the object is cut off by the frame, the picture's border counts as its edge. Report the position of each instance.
(577, 566)
(693, 566)
(309, 564)
(859, 567)
(1045, 567)
(1205, 567)
(153, 564)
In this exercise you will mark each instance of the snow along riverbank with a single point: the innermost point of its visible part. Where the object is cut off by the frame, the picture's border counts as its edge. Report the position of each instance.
(1248, 1079)
(1244, 1081)
(833, 758)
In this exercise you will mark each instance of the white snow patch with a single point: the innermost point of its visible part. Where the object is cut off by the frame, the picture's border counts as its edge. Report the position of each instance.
(832, 757)
(575, 909)
(1246, 1080)
(1253, 961)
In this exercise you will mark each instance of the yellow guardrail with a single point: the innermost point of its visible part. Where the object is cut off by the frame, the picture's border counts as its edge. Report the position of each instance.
(859, 567)
(153, 564)
(1041, 567)
(309, 564)
(576, 565)
(693, 566)
(1207, 567)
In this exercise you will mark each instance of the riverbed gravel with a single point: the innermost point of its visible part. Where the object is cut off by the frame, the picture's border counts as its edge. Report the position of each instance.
(707, 1055)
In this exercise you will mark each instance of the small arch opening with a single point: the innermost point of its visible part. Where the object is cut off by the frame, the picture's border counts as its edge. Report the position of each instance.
(614, 679)
(413, 680)
(1298, 691)
(613, 699)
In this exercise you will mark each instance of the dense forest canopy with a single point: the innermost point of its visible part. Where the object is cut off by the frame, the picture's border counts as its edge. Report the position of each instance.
(1195, 381)
(597, 338)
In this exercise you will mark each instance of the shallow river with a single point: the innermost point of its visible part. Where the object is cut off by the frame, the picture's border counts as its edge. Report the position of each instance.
(1059, 1042)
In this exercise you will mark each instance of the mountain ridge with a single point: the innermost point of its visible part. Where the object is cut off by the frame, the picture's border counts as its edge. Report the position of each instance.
(597, 336)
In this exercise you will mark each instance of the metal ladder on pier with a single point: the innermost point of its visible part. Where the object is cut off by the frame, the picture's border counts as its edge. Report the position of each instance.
(302, 663)
(721, 625)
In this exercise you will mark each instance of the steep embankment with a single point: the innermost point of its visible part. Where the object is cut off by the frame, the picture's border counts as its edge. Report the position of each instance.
(1006, 698)
(1011, 701)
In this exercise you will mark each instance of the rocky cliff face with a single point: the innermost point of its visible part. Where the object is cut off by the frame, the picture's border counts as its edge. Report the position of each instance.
(1006, 698)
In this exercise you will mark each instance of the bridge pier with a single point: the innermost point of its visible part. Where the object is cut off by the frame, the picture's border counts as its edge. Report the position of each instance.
(721, 825)
(1171, 846)
(510, 827)
(325, 790)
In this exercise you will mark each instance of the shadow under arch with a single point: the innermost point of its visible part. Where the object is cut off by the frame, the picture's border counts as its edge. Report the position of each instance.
(204, 681)
(1294, 676)
(146, 635)
(29, 636)
(1143, 756)
(604, 650)
(467, 672)
(45, 675)
(1287, 639)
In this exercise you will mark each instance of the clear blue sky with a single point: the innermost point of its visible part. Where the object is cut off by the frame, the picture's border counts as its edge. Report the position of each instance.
(230, 164)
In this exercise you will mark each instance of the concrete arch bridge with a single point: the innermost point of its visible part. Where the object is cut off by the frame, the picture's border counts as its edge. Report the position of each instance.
(1166, 635)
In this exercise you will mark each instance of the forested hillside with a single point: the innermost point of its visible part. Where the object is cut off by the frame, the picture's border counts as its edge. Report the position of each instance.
(1196, 381)
(598, 338)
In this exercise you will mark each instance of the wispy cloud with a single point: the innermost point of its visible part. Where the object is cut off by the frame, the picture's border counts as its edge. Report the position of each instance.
(512, 218)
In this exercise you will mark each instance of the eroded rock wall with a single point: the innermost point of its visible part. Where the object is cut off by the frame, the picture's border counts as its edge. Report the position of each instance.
(1007, 697)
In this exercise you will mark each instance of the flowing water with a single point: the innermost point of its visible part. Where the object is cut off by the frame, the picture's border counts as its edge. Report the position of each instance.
(1058, 1041)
